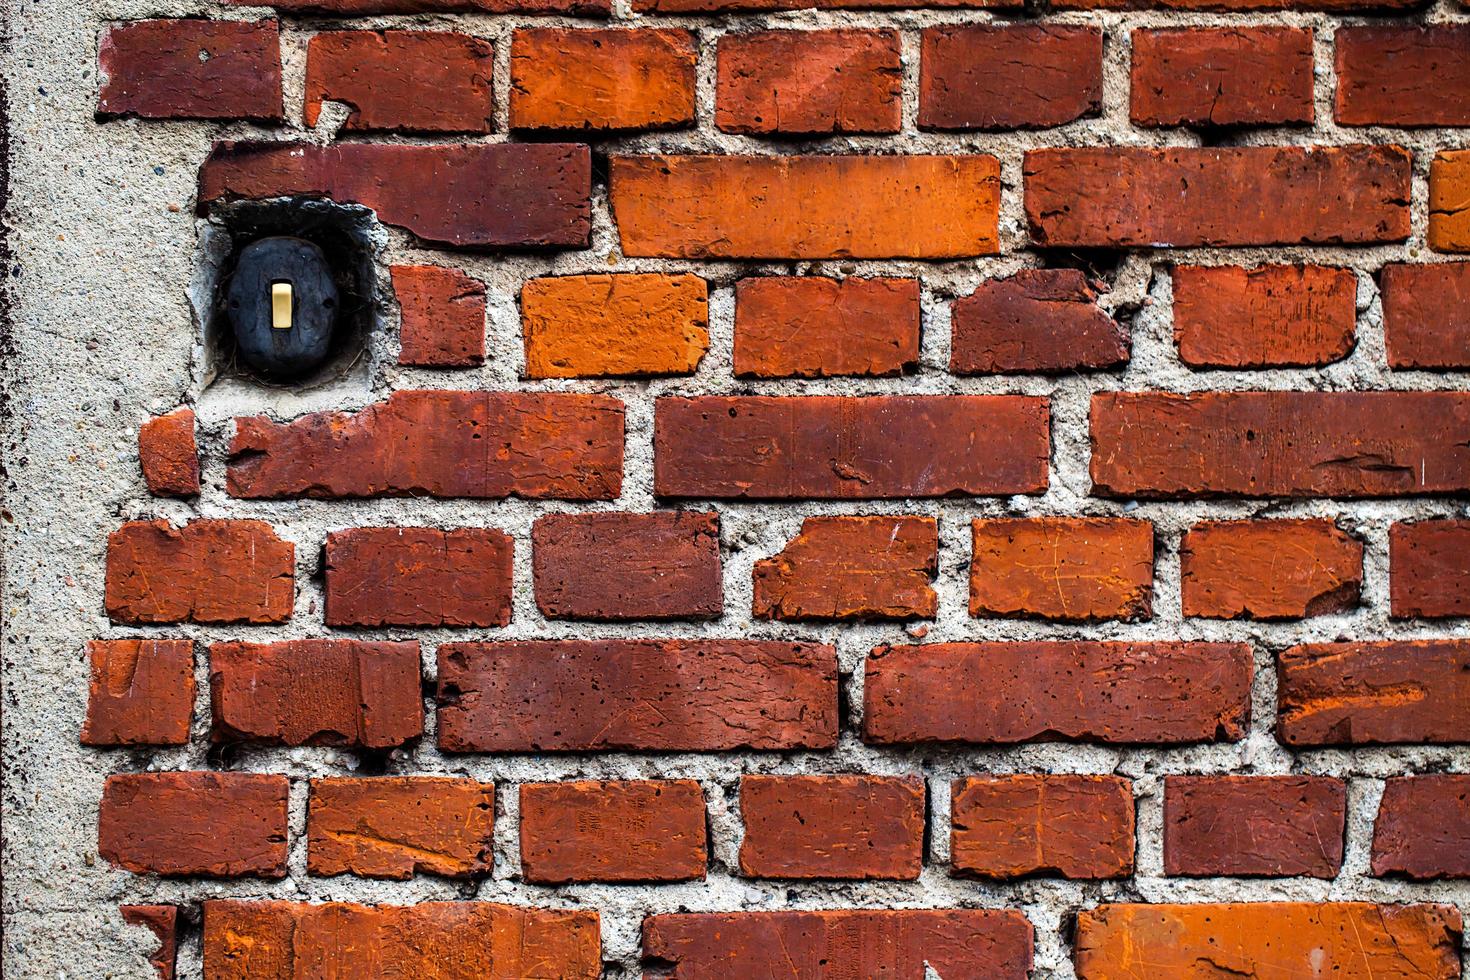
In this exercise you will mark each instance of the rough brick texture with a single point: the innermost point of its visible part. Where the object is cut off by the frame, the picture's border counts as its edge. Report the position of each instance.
(1062, 568)
(399, 826)
(1272, 316)
(1222, 77)
(357, 8)
(809, 83)
(851, 568)
(163, 922)
(843, 827)
(811, 327)
(1010, 827)
(1423, 828)
(169, 454)
(1280, 826)
(443, 317)
(191, 69)
(1429, 569)
(1022, 76)
(408, 81)
(418, 576)
(1403, 75)
(207, 571)
(1426, 315)
(601, 326)
(1042, 321)
(141, 692)
(1449, 201)
(601, 80)
(1282, 569)
(634, 831)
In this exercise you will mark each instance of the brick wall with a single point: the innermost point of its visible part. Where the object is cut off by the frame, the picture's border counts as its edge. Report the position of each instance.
(830, 493)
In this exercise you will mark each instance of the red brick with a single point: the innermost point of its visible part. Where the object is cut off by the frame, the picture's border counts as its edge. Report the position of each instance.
(487, 195)
(611, 566)
(1272, 316)
(807, 207)
(1018, 76)
(141, 692)
(317, 692)
(163, 922)
(419, 576)
(640, 695)
(841, 827)
(1005, 693)
(399, 826)
(1038, 320)
(169, 454)
(809, 82)
(1429, 569)
(1241, 6)
(1283, 569)
(990, 943)
(443, 317)
(289, 940)
(811, 327)
(633, 831)
(716, 6)
(851, 568)
(1070, 569)
(208, 571)
(489, 445)
(1281, 826)
(191, 69)
(1449, 201)
(1280, 444)
(1403, 75)
(1227, 76)
(1426, 315)
(834, 447)
(403, 81)
(632, 325)
(605, 80)
(1423, 828)
(1351, 940)
(1240, 195)
(205, 824)
(1010, 827)
(358, 8)
(1374, 693)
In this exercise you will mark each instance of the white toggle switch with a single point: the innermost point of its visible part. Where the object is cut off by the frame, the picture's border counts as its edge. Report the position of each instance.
(281, 305)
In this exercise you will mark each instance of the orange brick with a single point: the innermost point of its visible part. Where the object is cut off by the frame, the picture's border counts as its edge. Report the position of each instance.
(1269, 569)
(601, 79)
(396, 827)
(632, 831)
(614, 325)
(1449, 201)
(1062, 568)
(1272, 316)
(811, 327)
(141, 692)
(1009, 827)
(851, 568)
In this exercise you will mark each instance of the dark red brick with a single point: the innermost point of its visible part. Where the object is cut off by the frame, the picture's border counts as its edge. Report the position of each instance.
(399, 826)
(612, 566)
(169, 454)
(1280, 444)
(1423, 828)
(1429, 569)
(483, 195)
(443, 317)
(634, 831)
(841, 827)
(403, 81)
(639, 695)
(141, 692)
(833, 447)
(1272, 316)
(208, 571)
(811, 327)
(809, 82)
(163, 922)
(1403, 75)
(317, 692)
(851, 568)
(191, 69)
(1426, 315)
(1282, 569)
(490, 445)
(1011, 827)
(604, 81)
(1016, 76)
(1281, 826)
(1005, 693)
(1227, 76)
(419, 576)
(359, 8)
(1045, 321)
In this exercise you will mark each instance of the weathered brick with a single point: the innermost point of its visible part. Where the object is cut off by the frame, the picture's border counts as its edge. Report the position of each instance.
(141, 692)
(1241, 6)
(990, 943)
(1429, 569)
(851, 568)
(317, 692)
(1010, 827)
(403, 81)
(163, 922)
(535, 445)
(289, 940)
(358, 8)
(1426, 315)
(1283, 569)
(835, 447)
(486, 195)
(191, 69)
(1449, 201)
(1278, 826)
(841, 827)
(807, 207)
(640, 695)
(1227, 76)
(1423, 828)
(1044, 321)
(169, 454)
(399, 826)
(1272, 939)
(1403, 75)
(734, 6)
(419, 576)
(1272, 316)
(614, 325)
(1280, 444)
(1240, 195)
(443, 316)
(1374, 693)
(1165, 693)
(813, 327)
(809, 82)
(204, 824)
(1071, 569)
(604, 80)
(632, 831)
(615, 566)
(208, 571)
(1017, 76)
